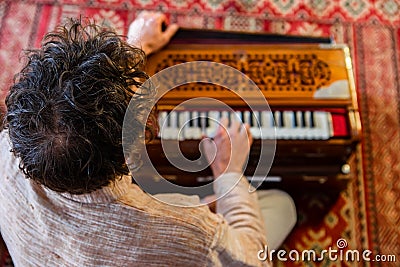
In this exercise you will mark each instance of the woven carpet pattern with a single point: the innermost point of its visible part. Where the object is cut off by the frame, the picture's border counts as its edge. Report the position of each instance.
(366, 214)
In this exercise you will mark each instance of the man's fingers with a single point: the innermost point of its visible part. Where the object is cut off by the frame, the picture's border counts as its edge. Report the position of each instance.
(171, 30)
(248, 133)
(235, 127)
(143, 13)
(223, 127)
(246, 127)
(160, 17)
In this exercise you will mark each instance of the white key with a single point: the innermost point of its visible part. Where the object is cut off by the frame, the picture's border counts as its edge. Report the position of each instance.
(288, 129)
(213, 123)
(294, 131)
(310, 133)
(301, 130)
(174, 125)
(267, 127)
(279, 128)
(171, 131)
(185, 127)
(323, 125)
(256, 128)
(196, 130)
(181, 124)
(330, 124)
(288, 118)
(203, 119)
(162, 121)
(189, 131)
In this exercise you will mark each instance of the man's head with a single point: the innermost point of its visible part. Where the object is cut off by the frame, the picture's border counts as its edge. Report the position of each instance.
(66, 108)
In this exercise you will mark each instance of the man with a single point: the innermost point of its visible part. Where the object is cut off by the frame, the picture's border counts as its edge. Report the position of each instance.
(66, 193)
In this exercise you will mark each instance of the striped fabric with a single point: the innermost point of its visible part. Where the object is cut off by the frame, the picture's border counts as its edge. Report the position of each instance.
(120, 225)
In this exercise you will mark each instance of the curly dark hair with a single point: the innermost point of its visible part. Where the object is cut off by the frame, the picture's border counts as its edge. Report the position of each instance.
(66, 108)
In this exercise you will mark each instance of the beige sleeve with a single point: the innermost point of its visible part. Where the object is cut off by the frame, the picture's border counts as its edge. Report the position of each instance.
(241, 235)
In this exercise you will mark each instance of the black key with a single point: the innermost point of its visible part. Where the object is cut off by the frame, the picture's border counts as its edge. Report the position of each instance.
(303, 119)
(190, 120)
(281, 119)
(260, 121)
(178, 114)
(295, 123)
(203, 124)
(168, 122)
(312, 119)
(251, 119)
(199, 122)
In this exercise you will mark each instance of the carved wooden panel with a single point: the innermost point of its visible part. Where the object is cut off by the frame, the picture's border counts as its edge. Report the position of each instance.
(287, 71)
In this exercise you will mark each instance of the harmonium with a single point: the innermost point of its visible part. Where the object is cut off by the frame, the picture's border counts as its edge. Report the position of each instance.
(297, 94)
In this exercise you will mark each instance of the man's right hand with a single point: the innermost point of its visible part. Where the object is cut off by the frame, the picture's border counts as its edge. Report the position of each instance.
(230, 149)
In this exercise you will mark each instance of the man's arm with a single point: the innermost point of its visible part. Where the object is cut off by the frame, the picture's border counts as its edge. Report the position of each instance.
(242, 235)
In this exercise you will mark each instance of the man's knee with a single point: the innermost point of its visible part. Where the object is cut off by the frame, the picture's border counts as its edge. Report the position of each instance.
(279, 201)
(279, 212)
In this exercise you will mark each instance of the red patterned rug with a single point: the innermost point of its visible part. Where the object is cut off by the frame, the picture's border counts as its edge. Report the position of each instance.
(366, 214)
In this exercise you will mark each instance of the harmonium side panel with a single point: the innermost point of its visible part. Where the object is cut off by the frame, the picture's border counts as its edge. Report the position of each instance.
(298, 79)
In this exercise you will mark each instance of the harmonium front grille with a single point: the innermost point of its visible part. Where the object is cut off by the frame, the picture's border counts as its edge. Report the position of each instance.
(309, 88)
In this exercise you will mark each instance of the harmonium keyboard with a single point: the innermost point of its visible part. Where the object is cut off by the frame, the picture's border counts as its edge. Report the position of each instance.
(311, 122)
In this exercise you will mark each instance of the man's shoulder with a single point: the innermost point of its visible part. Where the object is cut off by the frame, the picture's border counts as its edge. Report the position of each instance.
(5, 145)
(7, 161)
(3, 135)
(5, 142)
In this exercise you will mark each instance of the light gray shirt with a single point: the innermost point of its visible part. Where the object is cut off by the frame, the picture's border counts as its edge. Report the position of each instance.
(120, 225)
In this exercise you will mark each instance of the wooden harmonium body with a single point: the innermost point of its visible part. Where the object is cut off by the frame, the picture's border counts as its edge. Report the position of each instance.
(307, 82)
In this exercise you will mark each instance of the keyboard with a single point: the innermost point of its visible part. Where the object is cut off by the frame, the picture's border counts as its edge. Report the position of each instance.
(279, 124)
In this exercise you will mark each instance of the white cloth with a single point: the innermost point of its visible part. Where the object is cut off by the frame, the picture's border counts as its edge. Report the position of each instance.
(279, 213)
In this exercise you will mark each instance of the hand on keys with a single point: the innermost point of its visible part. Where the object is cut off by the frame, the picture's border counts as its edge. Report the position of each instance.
(229, 149)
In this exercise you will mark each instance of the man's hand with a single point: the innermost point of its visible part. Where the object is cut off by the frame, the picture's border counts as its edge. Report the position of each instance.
(230, 149)
(146, 32)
